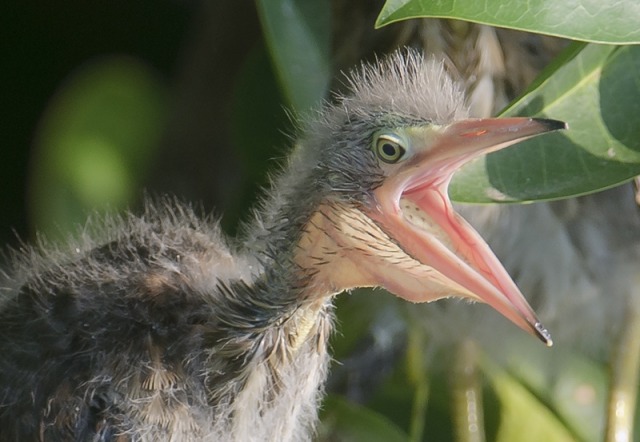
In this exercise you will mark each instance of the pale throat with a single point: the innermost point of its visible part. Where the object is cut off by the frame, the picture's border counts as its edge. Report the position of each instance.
(342, 248)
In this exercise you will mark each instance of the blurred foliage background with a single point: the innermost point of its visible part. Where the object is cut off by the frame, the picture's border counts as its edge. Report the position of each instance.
(106, 101)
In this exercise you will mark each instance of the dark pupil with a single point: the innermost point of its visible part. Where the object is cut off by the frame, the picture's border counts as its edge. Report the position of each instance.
(389, 149)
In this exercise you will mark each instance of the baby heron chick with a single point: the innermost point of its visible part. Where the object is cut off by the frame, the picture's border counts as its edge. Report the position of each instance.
(166, 331)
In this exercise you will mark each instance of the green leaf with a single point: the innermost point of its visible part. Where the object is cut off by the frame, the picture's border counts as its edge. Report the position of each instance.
(523, 417)
(343, 421)
(596, 90)
(95, 142)
(596, 21)
(297, 37)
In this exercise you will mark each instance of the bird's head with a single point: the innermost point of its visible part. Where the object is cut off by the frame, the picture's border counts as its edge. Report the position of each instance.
(382, 160)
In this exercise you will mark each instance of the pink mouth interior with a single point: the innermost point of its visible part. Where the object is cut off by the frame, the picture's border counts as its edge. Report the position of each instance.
(455, 249)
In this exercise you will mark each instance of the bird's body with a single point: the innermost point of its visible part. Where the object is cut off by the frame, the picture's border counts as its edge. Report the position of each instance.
(164, 330)
(114, 341)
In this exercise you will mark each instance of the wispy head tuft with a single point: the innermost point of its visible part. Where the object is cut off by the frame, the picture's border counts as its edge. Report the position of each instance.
(405, 84)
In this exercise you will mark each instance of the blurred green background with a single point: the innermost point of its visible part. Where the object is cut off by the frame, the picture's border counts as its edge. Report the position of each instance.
(44, 45)
(105, 99)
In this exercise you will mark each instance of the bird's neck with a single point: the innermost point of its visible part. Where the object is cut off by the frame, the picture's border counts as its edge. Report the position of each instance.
(299, 264)
(303, 263)
(277, 323)
(271, 334)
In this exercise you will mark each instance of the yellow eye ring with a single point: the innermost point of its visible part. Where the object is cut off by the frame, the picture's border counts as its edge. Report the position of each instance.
(389, 149)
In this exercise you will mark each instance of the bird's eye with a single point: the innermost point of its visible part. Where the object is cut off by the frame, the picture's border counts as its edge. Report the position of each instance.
(389, 149)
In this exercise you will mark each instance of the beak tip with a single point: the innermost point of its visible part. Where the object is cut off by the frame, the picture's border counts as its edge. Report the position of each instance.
(551, 125)
(543, 334)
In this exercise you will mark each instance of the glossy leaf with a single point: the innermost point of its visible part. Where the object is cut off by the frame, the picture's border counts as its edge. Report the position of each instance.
(298, 38)
(589, 20)
(595, 89)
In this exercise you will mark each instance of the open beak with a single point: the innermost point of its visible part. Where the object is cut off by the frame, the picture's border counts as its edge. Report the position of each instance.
(445, 256)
